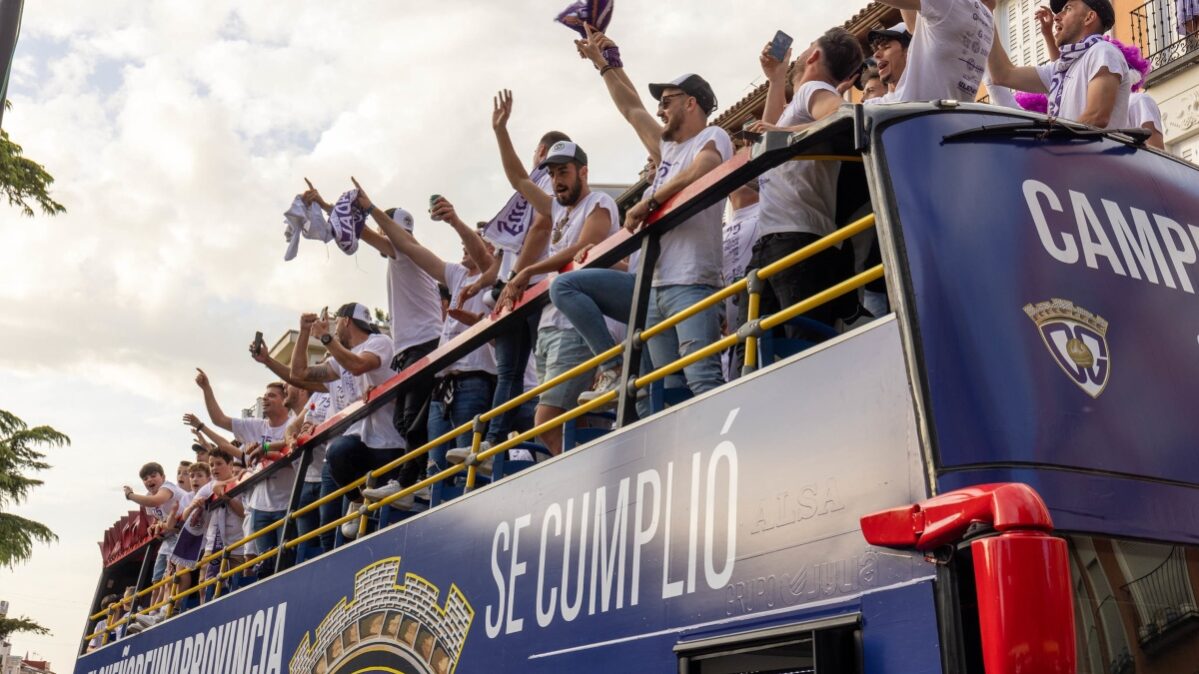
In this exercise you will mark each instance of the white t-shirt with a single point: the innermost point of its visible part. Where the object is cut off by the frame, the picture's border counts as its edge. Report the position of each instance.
(740, 233)
(414, 303)
(948, 53)
(321, 406)
(198, 522)
(800, 196)
(691, 252)
(162, 512)
(483, 358)
(273, 493)
(225, 527)
(567, 228)
(1102, 54)
(1141, 109)
(377, 430)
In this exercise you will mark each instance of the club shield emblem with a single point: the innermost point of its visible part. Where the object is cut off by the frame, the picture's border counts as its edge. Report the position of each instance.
(1077, 340)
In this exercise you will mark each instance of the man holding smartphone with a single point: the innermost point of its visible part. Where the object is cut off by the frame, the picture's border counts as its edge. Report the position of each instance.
(798, 199)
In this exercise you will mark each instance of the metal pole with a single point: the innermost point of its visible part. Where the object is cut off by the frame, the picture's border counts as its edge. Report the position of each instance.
(626, 410)
(285, 557)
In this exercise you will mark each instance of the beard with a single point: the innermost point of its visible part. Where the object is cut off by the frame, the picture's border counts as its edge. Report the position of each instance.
(670, 132)
(571, 196)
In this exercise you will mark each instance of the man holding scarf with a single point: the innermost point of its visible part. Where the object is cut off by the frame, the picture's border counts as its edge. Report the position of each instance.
(1090, 82)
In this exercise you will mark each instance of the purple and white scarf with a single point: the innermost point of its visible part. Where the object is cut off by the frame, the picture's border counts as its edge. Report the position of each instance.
(1070, 54)
(598, 13)
(347, 221)
(508, 228)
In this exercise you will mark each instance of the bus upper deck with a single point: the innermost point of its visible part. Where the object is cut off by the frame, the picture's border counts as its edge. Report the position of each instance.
(1043, 332)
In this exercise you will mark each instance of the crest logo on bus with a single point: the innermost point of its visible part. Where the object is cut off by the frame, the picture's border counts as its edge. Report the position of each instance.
(1077, 339)
(387, 627)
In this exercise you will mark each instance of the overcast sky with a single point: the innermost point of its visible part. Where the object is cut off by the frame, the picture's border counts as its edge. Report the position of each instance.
(179, 132)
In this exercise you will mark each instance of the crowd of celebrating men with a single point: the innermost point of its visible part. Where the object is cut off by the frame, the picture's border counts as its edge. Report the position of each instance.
(942, 50)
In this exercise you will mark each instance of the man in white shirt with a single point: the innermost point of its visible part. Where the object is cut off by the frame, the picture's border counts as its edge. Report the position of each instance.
(513, 347)
(270, 495)
(465, 388)
(798, 199)
(355, 346)
(580, 218)
(414, 305)
(948, 53)
(1089, 82)
(684, 148)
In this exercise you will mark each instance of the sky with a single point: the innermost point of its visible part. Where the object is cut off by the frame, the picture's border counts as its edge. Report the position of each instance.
(179, 132)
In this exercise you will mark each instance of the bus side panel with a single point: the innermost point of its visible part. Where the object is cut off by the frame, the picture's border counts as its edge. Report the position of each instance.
(899, 631)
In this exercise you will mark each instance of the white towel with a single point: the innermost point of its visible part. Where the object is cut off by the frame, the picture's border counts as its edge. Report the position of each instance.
(304, 221)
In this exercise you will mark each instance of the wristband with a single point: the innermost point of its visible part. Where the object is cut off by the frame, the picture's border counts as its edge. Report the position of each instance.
(368, 210)
(606, 68)
(612, 56)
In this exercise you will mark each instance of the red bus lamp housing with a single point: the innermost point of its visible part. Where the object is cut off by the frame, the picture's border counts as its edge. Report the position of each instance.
(1022, 575)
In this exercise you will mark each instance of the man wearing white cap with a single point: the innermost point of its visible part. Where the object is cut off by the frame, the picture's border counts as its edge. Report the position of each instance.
(685, 148)
(1090, 81)
(579, 218)
(947, 55)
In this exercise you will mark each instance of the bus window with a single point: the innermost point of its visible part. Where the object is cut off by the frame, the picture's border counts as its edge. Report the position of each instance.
(798, 649)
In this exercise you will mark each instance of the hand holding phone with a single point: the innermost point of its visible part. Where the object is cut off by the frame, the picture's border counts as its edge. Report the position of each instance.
(779, 45)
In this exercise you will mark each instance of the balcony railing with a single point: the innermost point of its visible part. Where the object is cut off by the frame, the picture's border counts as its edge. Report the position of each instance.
(1167, 32)
(1163, 598)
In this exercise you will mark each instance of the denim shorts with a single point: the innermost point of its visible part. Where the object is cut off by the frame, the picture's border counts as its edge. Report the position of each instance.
(558, 351)
(160, 566)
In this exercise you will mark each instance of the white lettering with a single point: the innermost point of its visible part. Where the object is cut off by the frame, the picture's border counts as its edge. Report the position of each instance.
(1090, 232)
(1182, 252)
(608, 562)
(546, 616)
(1068, 251)
(571, 611)
(1140, 248)
(727, 453)
(670, 588)
(644, 534)
(493, 629)
(516, 569)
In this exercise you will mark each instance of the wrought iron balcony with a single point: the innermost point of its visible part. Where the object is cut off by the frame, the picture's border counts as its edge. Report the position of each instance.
(1164, 599)
(1168, 33)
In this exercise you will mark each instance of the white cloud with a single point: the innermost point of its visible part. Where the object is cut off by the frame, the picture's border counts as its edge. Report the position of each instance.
(178, 133)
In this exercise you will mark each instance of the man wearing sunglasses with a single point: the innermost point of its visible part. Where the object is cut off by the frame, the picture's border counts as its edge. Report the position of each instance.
(684, 148)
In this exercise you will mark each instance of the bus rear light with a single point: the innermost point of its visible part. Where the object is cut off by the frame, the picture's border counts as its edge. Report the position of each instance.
(1022, 575)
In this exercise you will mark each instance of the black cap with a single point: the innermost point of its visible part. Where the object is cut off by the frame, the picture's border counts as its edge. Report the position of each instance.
(564, 152)
(1107, 15)
(692, 85)
(897, 32)
(197, 447)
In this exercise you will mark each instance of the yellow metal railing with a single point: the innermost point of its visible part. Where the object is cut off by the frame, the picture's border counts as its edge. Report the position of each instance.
(476, 455)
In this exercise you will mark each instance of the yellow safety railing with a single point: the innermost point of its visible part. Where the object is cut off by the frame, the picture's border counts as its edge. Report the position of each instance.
(477, 455)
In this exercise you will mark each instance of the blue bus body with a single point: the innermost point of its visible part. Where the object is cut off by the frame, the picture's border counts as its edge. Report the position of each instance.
(1029, 343)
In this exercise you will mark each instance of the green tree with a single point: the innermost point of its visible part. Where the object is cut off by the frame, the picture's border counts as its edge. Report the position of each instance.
(24, 182)
(20, 455)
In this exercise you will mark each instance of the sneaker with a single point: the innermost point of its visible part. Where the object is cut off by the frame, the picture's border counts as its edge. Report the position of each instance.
(146, 620)
(860, 317)
(349, 530)
(607, 380)
(460, 454)
(392, 487)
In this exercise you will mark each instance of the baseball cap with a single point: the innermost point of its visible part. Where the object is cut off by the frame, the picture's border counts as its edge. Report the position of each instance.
(360, 315)
(563, 152)
(197, 448)
(401, 216)
(692, 85)
(897, 32)
(1107, 15)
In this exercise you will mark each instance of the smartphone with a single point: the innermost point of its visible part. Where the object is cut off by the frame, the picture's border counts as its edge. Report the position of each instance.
(779, 45)
(325, 314)
(432, 200)
(259, 344)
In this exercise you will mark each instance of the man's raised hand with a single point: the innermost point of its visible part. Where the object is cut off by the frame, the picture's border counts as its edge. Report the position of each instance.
(443, 210)
(593, 47)
(363, 201)
(201, 379)
(193, 421)
(501, 109)
(772, 67)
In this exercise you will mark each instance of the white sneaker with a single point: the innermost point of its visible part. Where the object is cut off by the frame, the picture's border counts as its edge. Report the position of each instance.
(607, 380)
(460, 454)
(349, 530)
(392, 487)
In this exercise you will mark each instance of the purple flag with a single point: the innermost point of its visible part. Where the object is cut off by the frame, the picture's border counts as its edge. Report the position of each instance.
(347, 221)
(598, 13)
(508, 228)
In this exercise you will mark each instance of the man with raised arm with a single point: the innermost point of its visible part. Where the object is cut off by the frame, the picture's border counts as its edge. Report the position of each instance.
(798, 199)
(356, 346)
(949, 40)
(514, 345)
(1089, 82)
(580, 218)
(415, 308)
(270, 496)
(464, 389)
(684, 148)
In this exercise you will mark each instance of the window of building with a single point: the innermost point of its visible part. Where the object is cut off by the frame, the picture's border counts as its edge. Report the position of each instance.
(825, 647)
(1020, 33)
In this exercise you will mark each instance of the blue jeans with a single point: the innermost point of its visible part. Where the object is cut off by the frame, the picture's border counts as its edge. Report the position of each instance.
(687, 337)
(328, 511)
(308, 522)
(472, 395)
(512, 350)
(586, 296)
(260, 519)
